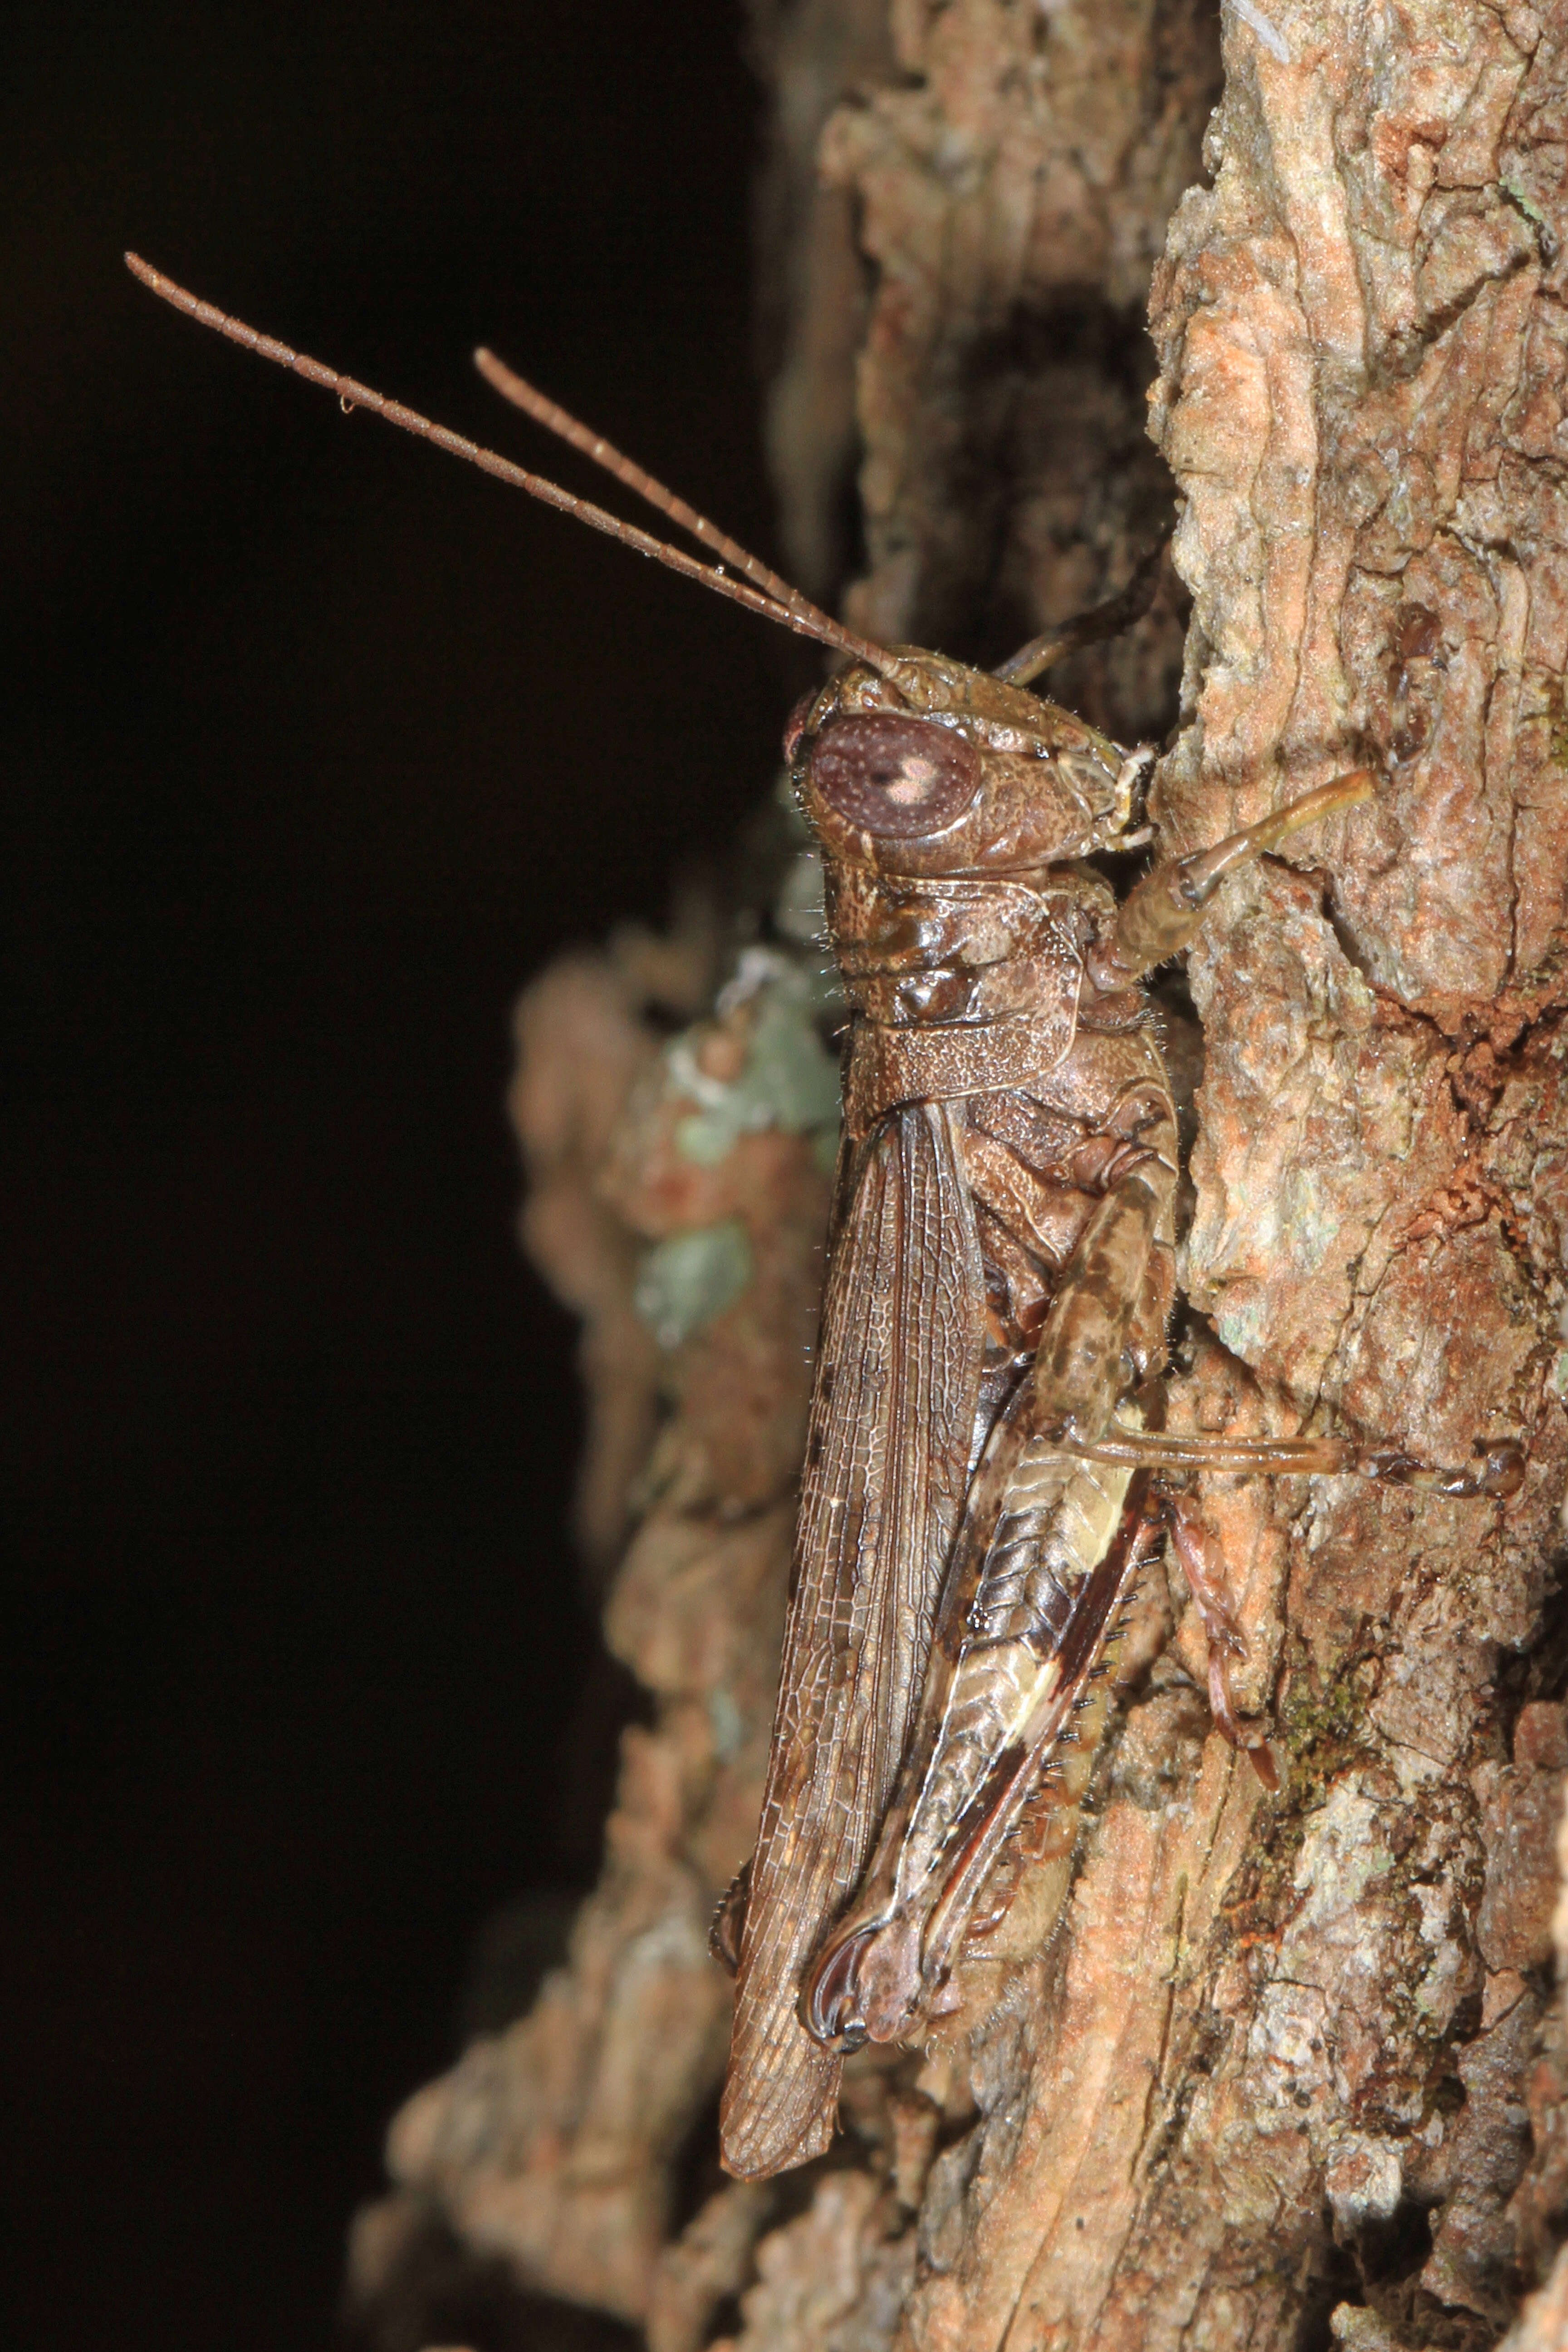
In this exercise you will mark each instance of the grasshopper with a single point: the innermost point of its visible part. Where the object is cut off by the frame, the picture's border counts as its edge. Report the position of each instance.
(985, 1475)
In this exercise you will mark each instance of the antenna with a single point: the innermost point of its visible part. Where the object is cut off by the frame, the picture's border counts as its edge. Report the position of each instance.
(789, 608)
(558, 420)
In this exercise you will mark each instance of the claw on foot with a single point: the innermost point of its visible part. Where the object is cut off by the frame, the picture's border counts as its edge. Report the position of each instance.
(1497, 1473)
(1203, 1564)
(865, 1987)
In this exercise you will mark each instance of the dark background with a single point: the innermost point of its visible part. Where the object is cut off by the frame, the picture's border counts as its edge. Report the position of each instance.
(317, 746)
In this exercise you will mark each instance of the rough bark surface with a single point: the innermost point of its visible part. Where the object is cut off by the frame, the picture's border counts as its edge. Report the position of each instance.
(682, 1188)
(1293, 2071)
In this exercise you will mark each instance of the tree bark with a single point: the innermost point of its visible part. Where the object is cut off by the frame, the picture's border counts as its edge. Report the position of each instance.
(1291, 2072)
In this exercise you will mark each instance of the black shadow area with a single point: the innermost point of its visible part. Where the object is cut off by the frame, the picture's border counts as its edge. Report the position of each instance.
(316, 747)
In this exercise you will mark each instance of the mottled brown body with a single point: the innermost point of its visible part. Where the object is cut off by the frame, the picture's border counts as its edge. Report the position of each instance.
(975, 1500)
(1001, 1256)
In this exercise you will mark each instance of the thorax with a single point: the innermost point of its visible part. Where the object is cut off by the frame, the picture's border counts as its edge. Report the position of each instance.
(917, 953)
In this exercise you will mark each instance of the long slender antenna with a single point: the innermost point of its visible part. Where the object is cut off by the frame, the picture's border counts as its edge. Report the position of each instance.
(560, 422)
(795, 615)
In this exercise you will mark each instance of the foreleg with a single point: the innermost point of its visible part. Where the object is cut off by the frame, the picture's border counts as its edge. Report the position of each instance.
(1162, 913)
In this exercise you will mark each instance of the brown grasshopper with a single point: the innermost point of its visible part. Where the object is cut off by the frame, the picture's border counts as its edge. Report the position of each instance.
(977, 1500)
(979, 1491)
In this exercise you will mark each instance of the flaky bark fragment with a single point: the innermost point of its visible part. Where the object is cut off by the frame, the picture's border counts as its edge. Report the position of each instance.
(680, 1197)
(1294, 2070)
(582, 1041)
(812, 295)
(1008, 175)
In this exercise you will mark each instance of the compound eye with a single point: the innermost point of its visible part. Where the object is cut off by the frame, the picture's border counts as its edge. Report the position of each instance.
(896, 777)
(795, 725)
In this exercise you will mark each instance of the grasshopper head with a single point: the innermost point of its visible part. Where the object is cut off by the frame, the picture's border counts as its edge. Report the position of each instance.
(933, 769)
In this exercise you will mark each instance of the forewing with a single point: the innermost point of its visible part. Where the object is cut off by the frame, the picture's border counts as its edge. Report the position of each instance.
(886, 1457)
